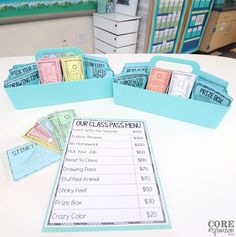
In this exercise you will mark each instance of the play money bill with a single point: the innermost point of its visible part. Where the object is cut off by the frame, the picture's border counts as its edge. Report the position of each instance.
(60, 122)
(38, 135)
(64, 119)
(181, 84)
(73, 68)
(56, 130)
(28, 158)
(58, 54)
(158, 80)
(45, 123)
(49, 70)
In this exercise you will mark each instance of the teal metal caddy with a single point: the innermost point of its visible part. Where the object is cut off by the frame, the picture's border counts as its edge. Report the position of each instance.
(188, 110)
(30, 96)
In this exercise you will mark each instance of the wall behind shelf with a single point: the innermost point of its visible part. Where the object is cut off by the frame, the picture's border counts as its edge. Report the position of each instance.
(24, 39)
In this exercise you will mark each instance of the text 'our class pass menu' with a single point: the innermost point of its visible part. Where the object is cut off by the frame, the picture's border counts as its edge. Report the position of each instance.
(107, 179)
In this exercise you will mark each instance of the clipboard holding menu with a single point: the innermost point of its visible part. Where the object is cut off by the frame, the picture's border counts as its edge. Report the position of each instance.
(107, 180)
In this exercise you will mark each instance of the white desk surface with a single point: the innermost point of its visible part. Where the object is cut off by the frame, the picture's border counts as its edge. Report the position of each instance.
(196, 164)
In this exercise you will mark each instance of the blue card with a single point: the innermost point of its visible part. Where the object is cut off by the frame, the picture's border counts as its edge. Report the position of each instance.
(96, 67)
(31, 79)
(215, 82)
(140, 67)
(23, 70)
(134, 80)
(205, 92)
(28, 158)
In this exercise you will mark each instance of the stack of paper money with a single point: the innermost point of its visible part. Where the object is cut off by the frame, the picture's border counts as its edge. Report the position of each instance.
(181, 84)
(157, 79)
(51, 131)
(175, 83)
(56, 67)
(22, 74)
(49, 70)
(73, 68)
(47, 139)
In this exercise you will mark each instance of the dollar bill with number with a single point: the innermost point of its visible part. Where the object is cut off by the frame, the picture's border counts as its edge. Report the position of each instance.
(60, 122)
(51, 131)
(56, 131)
(64, 119)
(39, 135)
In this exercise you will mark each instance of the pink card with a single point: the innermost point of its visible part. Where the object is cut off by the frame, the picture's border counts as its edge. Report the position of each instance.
(39, 131)
(158, 79)
(49, 70)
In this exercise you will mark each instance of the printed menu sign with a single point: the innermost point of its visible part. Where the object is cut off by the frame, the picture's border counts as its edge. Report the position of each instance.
(107, 180)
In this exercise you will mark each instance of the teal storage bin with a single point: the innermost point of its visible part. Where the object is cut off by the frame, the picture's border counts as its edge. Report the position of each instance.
(24, 97)
(30, 96)
(188, 110)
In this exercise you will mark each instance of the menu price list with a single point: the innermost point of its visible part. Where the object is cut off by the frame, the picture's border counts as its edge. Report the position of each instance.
(107, 177)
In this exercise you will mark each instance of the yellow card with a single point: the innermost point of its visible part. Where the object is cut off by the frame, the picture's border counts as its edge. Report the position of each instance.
(72, 67)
